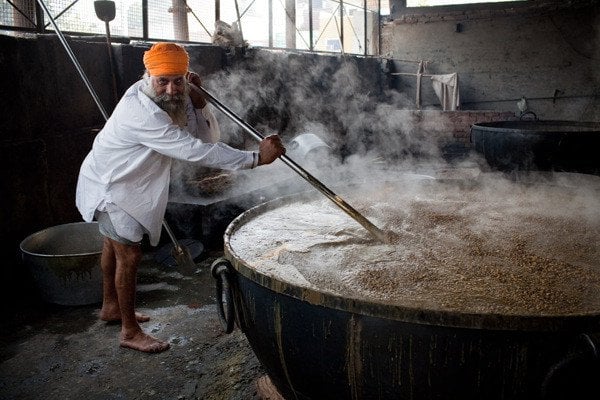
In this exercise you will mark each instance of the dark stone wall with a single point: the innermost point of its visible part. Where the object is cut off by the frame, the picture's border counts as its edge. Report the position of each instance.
(48, 121)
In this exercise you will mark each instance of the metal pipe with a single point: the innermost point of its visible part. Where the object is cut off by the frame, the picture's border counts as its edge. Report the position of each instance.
(310, 26)
(239, 19)
(378, 233)
(365, 25)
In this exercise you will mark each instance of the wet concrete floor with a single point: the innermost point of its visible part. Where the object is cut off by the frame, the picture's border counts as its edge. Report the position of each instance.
(59, 352)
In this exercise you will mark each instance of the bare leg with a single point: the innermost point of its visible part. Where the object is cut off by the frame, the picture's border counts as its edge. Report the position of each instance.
(110, 304)
(125, 273)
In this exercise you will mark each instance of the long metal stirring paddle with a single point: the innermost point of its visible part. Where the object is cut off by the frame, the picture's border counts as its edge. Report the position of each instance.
(374, 230)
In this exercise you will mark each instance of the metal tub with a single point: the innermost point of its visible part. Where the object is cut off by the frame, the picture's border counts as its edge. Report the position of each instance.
(64, 262)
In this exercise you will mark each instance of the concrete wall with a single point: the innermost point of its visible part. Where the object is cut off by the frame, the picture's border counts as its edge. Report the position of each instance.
(546, 51)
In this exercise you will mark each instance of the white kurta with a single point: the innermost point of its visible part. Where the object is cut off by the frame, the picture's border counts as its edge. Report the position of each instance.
(130, 161)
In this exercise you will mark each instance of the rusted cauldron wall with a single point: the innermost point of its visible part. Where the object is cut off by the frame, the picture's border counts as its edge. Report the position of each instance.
(315, 352)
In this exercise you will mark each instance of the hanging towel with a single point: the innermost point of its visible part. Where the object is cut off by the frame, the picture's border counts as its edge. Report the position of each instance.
(446, 89)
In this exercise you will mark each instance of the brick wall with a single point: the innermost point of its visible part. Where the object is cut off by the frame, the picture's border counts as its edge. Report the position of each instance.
(452, 125)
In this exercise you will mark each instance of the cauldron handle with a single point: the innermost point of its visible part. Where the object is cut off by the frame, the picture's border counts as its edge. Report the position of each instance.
(220, 270)
(586, 352)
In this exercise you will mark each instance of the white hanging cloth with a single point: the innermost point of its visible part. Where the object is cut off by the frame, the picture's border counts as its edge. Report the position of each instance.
(446, 89)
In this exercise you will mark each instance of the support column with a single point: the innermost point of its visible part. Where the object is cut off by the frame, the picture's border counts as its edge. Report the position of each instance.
(290, 24)
(180, 21)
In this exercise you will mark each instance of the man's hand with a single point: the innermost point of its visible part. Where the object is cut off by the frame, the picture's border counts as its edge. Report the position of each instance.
(269, 149)
(197, 99)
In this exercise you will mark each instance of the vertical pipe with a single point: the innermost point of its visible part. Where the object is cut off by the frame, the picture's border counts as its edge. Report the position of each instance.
(378, 27)
(217, 10)
(112, 64)
(310, 25)
(145, 19)
(365, 22)
(342, 25)
(290, 24)
(270, 23)
(180, 21)
(39, 15)
(419, 74)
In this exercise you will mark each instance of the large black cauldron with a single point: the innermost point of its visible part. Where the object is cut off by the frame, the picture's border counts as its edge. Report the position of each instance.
(568, 146)
(316, 345)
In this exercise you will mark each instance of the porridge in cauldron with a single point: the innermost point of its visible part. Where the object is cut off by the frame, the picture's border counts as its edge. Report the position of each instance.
(505, 249)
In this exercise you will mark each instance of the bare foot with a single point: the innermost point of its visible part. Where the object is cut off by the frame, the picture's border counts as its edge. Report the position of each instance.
(144, 342)
(109, 316)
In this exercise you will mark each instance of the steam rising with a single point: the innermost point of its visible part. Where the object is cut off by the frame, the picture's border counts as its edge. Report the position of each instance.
(346, 101)
(355, 113)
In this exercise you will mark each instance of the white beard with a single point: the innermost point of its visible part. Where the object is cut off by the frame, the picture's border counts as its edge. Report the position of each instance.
(173, 105)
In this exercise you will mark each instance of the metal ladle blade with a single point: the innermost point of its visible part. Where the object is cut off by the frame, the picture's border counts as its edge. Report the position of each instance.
(105, 10)
(180, 252)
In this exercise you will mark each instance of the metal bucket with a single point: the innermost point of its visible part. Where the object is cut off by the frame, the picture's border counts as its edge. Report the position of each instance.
(309, 146)
(64, 262)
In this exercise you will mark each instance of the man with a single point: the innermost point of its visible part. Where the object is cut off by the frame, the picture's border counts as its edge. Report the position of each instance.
(124, 180)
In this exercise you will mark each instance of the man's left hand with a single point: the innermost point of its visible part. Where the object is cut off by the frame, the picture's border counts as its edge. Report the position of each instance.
(270, 148)
(197, 99)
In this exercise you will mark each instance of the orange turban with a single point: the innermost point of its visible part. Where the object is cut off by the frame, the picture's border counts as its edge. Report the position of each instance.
(166, 59)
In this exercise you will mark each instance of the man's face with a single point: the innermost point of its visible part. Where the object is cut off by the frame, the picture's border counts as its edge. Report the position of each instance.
(169, 91)
(171, 85)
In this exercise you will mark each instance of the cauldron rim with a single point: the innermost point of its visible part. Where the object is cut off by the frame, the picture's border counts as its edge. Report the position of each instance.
(539, 126)
(488, 321)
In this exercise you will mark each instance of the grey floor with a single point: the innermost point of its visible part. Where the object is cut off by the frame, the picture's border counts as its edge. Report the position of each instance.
(66, 352)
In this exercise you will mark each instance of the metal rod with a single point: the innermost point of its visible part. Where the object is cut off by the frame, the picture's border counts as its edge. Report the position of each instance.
(63, 11)
(239, 19)
(74, 59)
(365, 25)
(378, 233)
(112, 64)
(170, 233)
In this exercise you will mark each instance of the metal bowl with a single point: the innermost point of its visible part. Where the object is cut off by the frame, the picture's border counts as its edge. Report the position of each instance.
(64, 262)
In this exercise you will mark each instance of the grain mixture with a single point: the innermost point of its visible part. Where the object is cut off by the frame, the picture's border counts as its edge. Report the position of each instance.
(506, 249)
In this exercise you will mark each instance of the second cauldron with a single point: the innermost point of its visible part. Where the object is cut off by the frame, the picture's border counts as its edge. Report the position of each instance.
(566, 146)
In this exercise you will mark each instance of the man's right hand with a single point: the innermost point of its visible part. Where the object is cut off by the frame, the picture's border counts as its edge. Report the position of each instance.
(269, 149)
